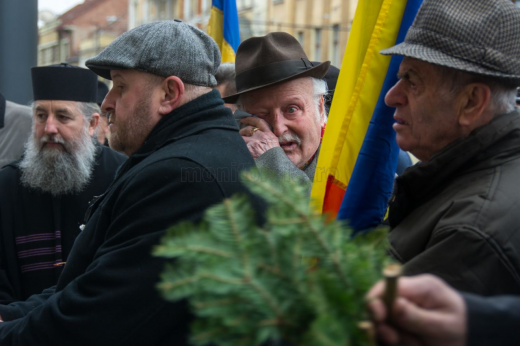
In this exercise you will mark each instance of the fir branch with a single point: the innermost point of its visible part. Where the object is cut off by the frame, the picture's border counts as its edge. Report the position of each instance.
(163, 250)
(248, 284)
(238, 238)
(221, 302)
(269, 188)
(268, 298)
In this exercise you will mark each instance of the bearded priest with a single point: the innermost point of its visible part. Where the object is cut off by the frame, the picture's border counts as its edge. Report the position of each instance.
(45, 195)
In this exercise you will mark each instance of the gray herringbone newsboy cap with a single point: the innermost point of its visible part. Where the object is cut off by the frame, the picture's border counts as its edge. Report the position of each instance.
(167, 48)
(479, 36)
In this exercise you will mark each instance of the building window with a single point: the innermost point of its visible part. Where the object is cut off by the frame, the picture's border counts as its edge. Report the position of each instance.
(206, 7)
(335, 45)
(317, 44)
(300, 37)
(175, 13)
(162, 12)
(244, 4)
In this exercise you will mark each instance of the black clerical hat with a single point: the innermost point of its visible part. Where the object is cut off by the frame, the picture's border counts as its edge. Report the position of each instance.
(64, 82)
(102, 92)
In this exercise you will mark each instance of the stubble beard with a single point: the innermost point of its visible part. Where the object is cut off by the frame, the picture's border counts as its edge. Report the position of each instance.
(55, 171)
(129, 136)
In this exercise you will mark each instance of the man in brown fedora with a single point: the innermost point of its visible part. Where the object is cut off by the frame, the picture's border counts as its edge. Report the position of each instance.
(285, 92)
(456, 213)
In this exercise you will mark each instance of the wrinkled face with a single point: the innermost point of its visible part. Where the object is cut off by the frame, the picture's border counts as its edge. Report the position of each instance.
(130, 106)
(58, 123)
(289, 108)
(426, 113)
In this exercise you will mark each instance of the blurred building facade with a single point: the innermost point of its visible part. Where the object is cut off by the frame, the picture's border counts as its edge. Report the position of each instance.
(82, 32)
(321, 26)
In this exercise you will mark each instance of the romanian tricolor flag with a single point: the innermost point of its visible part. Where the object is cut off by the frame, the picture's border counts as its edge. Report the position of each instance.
(358, 157)
(223, 27)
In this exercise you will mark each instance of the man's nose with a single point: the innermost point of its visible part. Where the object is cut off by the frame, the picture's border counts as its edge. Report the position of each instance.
(279, 124)
(395, 96)
(51, 126)
(108, 103)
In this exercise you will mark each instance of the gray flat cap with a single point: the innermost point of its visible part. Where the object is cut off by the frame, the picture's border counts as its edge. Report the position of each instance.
(481, 37)
(167, 48)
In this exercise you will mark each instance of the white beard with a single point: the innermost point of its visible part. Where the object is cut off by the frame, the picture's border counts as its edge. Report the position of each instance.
(55, 171)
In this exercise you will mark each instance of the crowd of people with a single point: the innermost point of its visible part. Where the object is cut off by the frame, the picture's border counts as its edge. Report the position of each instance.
(78, 219)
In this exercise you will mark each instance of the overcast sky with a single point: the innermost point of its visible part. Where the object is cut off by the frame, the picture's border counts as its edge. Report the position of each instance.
(57, 6)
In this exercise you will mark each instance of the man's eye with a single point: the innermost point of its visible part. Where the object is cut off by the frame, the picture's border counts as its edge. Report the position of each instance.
(292, 110)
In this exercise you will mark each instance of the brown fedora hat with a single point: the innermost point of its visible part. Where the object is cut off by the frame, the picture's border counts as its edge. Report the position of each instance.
(274, 58)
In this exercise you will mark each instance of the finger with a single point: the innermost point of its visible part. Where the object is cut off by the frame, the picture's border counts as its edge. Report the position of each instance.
(387, 334)
(377, 310)
(248, 139)
(427, 291)
(257, 122)
(376, 291)
(412, 318)
(246, 131)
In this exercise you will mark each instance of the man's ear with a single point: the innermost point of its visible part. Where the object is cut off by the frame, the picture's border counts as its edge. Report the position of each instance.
(474, 101)
(322, 110)
(93, 124)
(172, 91)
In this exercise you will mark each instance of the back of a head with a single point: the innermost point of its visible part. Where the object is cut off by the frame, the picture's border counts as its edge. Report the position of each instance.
(226, 78)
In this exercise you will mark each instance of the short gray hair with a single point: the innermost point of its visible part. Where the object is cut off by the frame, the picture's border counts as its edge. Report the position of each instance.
(226, 75)
(88, 109)
(503, 91)
(320, 92)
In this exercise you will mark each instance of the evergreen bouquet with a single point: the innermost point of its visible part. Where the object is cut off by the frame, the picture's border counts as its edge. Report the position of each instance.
(298, 279)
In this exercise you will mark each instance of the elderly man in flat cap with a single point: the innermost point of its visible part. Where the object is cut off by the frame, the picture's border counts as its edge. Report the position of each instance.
(184, 155)
(456, 214)
(285, 92)
(45, 194)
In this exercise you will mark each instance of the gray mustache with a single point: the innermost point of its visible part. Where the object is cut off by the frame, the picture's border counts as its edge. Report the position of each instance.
(290, 137)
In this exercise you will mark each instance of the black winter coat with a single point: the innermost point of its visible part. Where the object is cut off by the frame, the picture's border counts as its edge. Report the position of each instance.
(107, 292)
(37, 230)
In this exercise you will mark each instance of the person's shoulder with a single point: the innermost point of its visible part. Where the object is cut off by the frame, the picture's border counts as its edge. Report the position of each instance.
(9, 174)
(17, 110)
(111, 154)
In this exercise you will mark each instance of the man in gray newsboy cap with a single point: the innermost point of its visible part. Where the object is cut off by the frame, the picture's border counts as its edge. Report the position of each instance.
(455, 214)
(184, 152)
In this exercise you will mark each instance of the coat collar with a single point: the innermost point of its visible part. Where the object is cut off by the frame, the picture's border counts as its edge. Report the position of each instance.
(487, 146)
(203, 113)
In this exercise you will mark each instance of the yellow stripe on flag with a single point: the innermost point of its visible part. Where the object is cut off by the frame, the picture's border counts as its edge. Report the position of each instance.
(216, 30)
(359, 84)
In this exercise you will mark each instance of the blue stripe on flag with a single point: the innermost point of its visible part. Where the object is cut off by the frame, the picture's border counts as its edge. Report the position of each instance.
(231, 28)
(366, 199)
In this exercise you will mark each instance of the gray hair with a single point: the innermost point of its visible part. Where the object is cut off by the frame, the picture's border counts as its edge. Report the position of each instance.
(503, 91)
(226, 75)
(320, 92)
